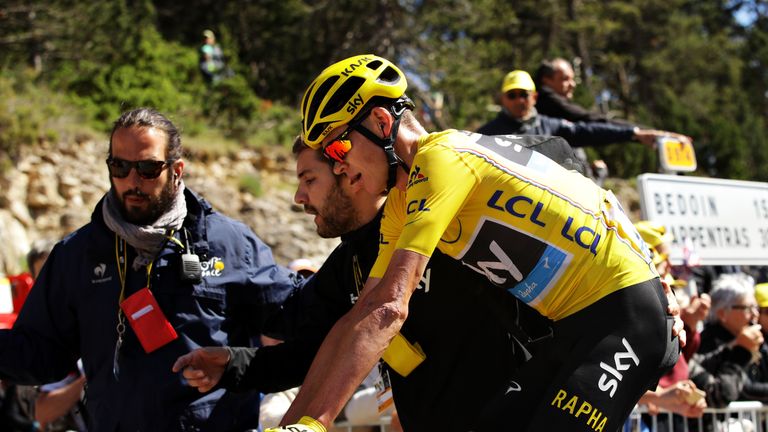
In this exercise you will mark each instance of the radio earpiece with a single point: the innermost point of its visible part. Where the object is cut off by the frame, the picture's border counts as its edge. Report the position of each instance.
(190, 263)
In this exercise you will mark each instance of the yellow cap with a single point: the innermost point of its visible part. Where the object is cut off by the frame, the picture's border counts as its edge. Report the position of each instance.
(653, 233)
(208, 33)
(517, 79)
(761, 294)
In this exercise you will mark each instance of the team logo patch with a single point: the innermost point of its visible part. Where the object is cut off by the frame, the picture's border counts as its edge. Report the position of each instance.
(526, 275)
(416, 176)
(213, 267)
(98, 272)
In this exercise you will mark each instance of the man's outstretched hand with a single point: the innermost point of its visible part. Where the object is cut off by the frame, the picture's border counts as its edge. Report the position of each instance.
(203, 367)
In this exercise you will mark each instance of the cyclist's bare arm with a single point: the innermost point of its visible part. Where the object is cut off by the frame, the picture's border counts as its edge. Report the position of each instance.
(357, 340)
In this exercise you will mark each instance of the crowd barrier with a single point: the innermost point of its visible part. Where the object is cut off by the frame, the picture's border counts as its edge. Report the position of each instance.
(748, 416)
(382, 424)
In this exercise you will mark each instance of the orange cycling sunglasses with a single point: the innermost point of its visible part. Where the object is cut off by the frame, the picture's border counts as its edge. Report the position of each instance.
(338, 148)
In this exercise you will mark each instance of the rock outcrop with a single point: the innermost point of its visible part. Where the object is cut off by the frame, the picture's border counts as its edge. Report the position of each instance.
(52, 190)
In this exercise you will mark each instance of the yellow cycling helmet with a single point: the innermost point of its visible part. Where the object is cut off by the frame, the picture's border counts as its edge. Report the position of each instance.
(345, 90)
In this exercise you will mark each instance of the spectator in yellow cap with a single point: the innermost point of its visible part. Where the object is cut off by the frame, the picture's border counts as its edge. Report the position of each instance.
(518, 116)
(657, 238)
(675, 392)
(761, 295)
(694, 307)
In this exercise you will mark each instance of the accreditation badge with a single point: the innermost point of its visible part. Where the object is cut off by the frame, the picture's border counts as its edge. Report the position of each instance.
(147, 320)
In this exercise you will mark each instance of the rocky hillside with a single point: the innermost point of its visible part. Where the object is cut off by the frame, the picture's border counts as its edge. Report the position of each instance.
(53, 189)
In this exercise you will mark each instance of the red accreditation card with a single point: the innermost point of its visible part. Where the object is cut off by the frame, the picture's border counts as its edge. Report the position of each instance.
(147, 320)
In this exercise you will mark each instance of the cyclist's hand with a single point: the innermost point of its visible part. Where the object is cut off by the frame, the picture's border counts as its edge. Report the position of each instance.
(305, 424)
(203, 367)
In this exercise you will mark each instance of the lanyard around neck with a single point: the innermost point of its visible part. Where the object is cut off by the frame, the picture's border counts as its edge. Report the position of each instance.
(121, 256)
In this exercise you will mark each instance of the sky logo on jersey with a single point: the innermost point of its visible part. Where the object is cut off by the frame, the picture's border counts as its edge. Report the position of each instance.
(416, 177)
(622, 361)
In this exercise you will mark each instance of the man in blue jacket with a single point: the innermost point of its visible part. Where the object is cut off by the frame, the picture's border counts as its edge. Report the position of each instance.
(519, 116)
(157, 272)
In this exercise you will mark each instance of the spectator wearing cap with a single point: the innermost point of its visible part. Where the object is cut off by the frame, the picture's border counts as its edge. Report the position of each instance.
(675, 389)
(758, 371)
(518, 116)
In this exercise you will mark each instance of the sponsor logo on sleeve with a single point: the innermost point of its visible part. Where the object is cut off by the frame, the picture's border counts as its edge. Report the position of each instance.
(416, 176)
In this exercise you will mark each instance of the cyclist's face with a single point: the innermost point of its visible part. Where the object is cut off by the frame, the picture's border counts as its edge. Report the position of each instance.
(365, 164)
(324, 195)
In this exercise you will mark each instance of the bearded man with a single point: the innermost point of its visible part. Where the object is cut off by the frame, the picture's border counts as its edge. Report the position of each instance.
(157, 272)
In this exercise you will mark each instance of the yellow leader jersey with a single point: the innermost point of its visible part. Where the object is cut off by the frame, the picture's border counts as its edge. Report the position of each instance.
(549, 236)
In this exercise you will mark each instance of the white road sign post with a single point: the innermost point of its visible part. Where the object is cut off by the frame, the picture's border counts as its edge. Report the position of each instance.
(725, 220)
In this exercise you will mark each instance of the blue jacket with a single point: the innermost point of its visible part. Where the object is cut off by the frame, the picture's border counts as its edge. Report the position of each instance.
(72, 313)
(578, 134)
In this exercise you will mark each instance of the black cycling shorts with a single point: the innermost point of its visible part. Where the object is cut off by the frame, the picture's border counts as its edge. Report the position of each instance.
(598, 363)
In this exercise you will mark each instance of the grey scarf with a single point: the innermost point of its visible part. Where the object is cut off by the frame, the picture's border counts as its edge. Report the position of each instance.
(146, 239)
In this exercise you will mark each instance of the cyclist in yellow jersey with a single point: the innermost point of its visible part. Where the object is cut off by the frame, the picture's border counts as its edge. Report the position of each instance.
(547, 235)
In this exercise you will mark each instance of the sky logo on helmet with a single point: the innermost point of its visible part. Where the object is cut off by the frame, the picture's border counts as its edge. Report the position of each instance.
(352, 66)
(354, 104)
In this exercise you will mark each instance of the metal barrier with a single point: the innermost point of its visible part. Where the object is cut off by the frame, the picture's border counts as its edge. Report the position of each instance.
(747, 416)
(383, 426)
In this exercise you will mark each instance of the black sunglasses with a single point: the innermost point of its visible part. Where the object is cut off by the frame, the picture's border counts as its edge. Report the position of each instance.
(146, 169)
(514, 95)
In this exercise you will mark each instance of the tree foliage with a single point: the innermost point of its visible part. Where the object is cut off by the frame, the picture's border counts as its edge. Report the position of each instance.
(692, 66)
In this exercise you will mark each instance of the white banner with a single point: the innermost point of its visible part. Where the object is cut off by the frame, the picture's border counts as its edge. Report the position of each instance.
(725, 220)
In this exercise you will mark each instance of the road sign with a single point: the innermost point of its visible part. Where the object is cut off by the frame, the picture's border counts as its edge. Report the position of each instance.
(726, 221)
(675, 155)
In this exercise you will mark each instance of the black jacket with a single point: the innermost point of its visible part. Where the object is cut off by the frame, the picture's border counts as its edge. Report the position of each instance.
(718, 367)
(555, 105)
(578, 134)
(71, 313)
(454, 315)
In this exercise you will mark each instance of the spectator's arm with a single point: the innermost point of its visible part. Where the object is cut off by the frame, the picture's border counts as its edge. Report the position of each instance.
(54, 404)
(43, 345)
(648, 137)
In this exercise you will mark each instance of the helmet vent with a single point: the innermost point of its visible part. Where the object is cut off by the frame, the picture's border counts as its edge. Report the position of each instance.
(319, 95)
(373, 65)
(343, 94)
(389, 76)
(306, 98)
(314, 134)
